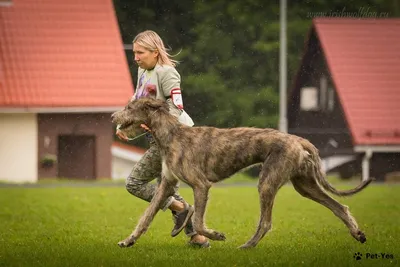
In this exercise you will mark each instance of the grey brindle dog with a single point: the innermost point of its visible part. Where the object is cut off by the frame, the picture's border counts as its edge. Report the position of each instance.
(201, 156)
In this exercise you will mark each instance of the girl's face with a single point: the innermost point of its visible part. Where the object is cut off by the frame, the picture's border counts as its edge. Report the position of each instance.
(145, 58)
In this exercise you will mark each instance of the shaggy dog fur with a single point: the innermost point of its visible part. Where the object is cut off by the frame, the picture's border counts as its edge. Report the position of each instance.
(201, 156)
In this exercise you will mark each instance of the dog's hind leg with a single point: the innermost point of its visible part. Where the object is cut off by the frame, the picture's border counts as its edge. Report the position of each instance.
(271, 179)
(309, 188)
(200, 204)
(164, 190)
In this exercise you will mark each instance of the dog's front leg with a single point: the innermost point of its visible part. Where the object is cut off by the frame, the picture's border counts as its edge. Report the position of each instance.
(200, 204)
(163, 191)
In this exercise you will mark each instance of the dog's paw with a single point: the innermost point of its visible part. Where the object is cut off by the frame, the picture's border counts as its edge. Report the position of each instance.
(128, 242)
(218, 236)
(360, 236)
(246, 246)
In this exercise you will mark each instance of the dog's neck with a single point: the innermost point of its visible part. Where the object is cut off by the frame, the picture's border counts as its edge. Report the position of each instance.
(163, 126)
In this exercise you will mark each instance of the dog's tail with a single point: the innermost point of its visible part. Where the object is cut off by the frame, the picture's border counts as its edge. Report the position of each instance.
(314, 167)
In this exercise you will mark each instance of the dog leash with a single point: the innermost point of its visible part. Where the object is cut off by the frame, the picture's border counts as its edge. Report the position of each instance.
(136, 137)
(131, 139)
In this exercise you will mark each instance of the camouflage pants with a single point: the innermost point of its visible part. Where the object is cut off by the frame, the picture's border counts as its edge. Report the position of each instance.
(146, 170)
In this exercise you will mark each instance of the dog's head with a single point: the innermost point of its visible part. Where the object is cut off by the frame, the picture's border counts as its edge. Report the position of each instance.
(137, 112)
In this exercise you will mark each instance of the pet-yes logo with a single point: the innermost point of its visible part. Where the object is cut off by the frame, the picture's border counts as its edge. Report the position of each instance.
(357, 256)
(373, 256)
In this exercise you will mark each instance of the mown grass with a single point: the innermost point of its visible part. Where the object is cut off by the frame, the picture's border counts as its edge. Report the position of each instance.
(80, 226)
(238, 178)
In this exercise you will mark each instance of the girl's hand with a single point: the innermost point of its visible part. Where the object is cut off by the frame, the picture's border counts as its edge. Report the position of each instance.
(121, 135)
(145, 127)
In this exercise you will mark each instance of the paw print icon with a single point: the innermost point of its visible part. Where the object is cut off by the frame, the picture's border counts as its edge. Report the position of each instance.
(357, 256)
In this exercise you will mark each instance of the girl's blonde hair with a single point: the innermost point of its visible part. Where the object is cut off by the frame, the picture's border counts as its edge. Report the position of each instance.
(151, 41)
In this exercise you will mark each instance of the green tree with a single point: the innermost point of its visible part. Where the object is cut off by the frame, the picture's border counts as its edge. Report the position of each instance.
(229, 50)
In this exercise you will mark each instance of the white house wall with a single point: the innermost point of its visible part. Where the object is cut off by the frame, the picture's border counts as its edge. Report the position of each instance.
(18, 147)
(121, 168)
(332, 162)
(122, 162)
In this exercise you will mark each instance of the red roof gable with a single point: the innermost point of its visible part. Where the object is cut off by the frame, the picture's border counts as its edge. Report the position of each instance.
(62, 54)
(363, 56)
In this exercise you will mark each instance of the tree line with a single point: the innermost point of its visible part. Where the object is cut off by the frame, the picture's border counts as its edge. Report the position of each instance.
(229, 50)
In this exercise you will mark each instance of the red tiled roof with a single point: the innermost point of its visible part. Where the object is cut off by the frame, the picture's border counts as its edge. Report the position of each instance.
(62, 54)
(363, 56)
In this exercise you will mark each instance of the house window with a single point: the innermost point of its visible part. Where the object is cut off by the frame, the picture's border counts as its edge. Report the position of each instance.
(326, 95)
(331, 99)
(309, 99)
(323, 83)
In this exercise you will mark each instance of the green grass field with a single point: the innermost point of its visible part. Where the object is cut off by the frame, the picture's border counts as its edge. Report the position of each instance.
(80, 226)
